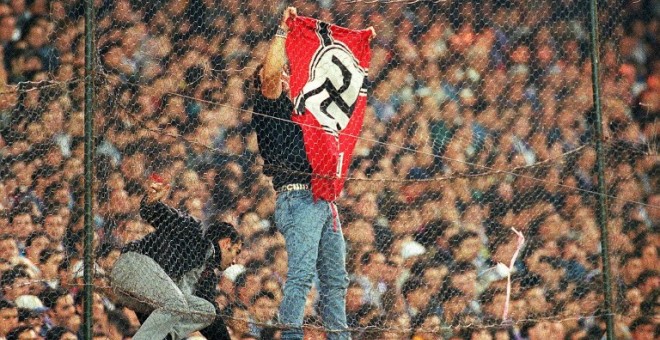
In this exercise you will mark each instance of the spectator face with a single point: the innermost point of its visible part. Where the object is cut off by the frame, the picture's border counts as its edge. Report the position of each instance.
(360, 232)
(649, 285)
(8, 320)
(368, 206)
(644, 332)
(313, 332)
(21, 286)
(505, 250)
(396, 329)
(537, 301)
(404, 223)
(481, 335)
(502, 335)
(7, 27)
(468, 249)
(375, 266)
(465, 282)
(418, 298)
(64, 311)
(38, 244)
(68, 336)
(28, 334)
(550, 275)
(22, 226)
(49, 268)
(430, 326)
(496, 307)
(252, 286)
(229, 252)
(54, 227)
(434, 276)
(354, 298)
(632, 269)
(264, 310)
(239, 321)
(543, 328)
(650, 257)
(8, 249)
(453, 307)
(109, 260)
(98, 309)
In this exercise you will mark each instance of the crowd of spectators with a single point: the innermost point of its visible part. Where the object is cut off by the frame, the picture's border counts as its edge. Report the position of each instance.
(480, 119)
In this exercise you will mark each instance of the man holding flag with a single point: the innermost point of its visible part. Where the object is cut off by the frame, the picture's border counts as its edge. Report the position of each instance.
(307, 125)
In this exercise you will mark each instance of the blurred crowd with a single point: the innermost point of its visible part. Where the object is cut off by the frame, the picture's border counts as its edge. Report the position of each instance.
(480, 120)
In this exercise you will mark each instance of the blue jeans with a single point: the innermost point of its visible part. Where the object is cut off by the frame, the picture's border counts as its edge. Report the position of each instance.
(315, 244)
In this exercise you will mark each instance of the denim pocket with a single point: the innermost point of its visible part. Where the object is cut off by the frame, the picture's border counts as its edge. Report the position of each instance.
(283, 218)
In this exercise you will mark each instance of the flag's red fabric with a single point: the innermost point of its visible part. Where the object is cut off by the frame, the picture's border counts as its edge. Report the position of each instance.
(329, 67)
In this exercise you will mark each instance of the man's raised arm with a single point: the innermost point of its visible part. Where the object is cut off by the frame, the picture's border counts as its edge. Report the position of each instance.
(273, 66)
(157, 213)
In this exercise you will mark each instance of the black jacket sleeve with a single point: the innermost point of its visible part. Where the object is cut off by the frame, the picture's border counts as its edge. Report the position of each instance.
(160, 216)
(217, 330)
(206, 288)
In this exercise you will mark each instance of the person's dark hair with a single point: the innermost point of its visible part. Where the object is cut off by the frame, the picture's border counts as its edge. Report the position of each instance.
(262, 294)
(269, 332)
(33, 236)
(645, 275)
(56, 333)
(50, 296)
(271, 254)
(650, 303)
(412, 284)
(489, 294)
(640, 321)
(6, 304)
(220, 230)
(23, 208)
(232, 308)
(25, 314)
(449, 293)
(4, 237)
(120, 321)
(418, 268)
(419, 319)
(553, 261)
(462, 267)
(457, 239)
(241, 279)
(16, 332)
(354, 284)
(255, 264)
(64, 266)
(106, 248)
(47, 253)
(365, 259)
(10, 276)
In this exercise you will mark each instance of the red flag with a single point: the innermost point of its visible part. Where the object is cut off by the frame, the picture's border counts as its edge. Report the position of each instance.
(329, 67)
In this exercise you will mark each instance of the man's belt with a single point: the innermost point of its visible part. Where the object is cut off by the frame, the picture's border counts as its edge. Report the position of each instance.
(293, 187)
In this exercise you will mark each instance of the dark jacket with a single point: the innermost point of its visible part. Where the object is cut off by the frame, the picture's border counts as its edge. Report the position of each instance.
(178, 244)
(206, 289)
(280, 140)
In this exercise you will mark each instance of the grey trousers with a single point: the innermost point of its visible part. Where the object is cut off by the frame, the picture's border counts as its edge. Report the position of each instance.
(141, 284)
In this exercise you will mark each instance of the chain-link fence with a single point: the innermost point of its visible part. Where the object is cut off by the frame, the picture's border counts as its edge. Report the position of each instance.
(479, 123)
